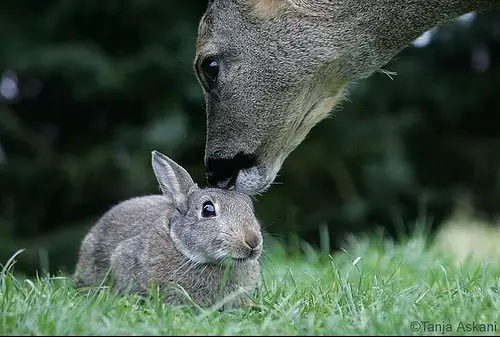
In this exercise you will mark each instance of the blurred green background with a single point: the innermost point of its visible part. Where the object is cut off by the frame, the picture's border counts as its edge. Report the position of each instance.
(89, 88)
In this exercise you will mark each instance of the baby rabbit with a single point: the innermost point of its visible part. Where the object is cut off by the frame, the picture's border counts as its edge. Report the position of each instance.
(187, 237)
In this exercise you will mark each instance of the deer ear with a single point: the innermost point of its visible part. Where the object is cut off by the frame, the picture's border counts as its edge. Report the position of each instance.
(266, 9)
(318, 8)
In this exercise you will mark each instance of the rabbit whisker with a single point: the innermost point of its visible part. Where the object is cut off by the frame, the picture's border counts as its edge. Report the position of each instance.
(193, 266)
(225, 233)
(184, 264)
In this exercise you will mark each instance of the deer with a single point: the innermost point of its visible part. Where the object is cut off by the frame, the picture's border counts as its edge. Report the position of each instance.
(270, 70)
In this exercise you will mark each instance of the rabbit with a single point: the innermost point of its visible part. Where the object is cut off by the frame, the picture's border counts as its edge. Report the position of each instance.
(186, 236)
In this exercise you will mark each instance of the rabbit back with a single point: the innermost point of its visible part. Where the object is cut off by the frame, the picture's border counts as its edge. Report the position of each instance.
(126, 220)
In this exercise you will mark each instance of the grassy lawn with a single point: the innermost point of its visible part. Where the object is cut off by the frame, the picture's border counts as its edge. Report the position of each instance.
(373, 286)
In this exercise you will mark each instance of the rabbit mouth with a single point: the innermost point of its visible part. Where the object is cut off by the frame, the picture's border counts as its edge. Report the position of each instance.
(251, 255)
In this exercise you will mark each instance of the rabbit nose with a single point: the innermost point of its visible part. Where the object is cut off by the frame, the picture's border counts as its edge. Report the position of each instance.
(252, 240)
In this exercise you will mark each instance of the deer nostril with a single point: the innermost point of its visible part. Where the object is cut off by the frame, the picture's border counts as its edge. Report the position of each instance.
(252, 240)
(222, 172)
(219, 172)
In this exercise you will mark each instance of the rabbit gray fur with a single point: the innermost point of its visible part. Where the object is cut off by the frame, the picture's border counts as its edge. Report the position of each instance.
(166, 240)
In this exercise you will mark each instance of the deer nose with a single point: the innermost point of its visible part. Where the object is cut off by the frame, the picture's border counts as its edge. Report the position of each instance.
(252, 240)
(222, 172)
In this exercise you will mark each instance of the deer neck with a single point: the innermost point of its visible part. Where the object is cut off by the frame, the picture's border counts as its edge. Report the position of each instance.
(368, 34)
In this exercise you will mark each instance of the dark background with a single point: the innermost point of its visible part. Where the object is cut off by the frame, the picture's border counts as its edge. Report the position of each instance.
(89, 88)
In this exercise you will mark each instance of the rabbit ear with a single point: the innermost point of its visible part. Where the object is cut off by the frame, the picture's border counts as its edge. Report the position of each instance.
(175, 182)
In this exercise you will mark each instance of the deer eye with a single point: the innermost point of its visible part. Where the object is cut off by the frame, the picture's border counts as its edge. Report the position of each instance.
(208, 210)
(210, 70)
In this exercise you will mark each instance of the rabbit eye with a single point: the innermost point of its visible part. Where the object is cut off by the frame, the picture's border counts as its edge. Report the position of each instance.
(208, 209)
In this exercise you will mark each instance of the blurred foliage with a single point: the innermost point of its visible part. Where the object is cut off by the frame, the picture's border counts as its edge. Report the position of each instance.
(101, 84)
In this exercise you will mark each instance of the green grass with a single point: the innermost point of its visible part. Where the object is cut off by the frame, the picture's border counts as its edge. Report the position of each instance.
(374, 286)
